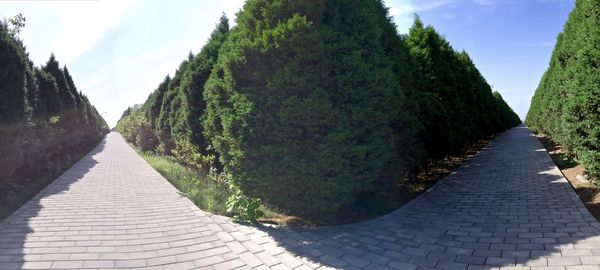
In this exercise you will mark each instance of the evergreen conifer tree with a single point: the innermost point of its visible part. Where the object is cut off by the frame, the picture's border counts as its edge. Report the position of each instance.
(299, 109)
(565, 104)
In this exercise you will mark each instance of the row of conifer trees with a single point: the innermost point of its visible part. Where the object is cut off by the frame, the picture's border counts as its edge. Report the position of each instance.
(566, 104)
(312, 106)
(46, 124)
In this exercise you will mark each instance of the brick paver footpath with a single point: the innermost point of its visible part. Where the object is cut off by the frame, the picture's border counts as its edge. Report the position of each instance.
(507, 208)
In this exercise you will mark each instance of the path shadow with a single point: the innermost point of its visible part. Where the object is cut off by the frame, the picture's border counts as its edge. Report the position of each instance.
(16, 229)
(507, 206)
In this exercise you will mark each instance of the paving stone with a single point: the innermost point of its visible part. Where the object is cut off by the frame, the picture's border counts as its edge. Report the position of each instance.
(451, 266)
(99, 264)
(507, 208)
(500, 261)
(583, 267)
(423, 261)
(471, 259)
(402, 265)
(564, 261)
(67, 265)
(355, 261)
(35, 265)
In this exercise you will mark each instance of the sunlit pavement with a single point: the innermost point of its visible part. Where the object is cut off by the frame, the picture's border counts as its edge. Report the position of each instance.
(507, 208)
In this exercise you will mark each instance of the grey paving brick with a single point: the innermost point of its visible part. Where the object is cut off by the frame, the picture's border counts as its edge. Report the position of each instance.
(507, 208)
(451, 266)
(355, 261)
(423, 261)
(471, 260)
(402, 265)
(564, 261)
(583, 267)
(250, 259)
(99, 264)
(36, 265)
(500, 261)
(67, 265)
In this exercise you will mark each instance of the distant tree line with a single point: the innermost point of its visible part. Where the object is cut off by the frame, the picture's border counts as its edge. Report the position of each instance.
(46, 124)
(312, 106)
(566, 104)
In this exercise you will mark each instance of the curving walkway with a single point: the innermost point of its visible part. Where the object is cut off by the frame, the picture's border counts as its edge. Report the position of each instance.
(507, 208)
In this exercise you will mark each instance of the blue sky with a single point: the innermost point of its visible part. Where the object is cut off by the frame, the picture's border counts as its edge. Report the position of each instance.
(118, 51)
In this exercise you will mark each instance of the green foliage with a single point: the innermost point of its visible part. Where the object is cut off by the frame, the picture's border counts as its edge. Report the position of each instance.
(245, 209)
(312, 107)
(18, 22)
(136, 129)
(455, 105)
(176, 107)
(14, 113)
(45, 123)
(565, 161)
(565, 104)
(188, 154)
(54, 120)
(208, 191)
(298, 111)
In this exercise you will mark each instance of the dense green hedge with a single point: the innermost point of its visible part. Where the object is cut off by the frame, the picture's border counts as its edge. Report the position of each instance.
(298, 110)
(565, 104)
(455, 103)
(312, 106)
(46, 124)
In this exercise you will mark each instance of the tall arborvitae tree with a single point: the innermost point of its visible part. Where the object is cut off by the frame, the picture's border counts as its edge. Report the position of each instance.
(192, 85)
(431, 96)
(167, 118)
(183, 102)
(456, 105)
(565, 104)
(297, 107)
(67, 98)
(175, 108)
(504, 112)
(73, 91)
(154, 102)
(13, 100)
(42, 132)
(49, 104)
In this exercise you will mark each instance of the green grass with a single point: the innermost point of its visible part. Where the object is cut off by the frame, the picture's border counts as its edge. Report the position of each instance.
(204, 190)
(208, 192)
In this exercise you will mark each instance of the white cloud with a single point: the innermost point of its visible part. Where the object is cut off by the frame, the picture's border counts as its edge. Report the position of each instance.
(404, 10)
(67, 28)
(414, 6)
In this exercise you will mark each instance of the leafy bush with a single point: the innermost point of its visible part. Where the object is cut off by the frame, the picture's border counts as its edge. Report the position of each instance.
(188, 154)
(136, 129)
(243, 207)
(565, 161)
